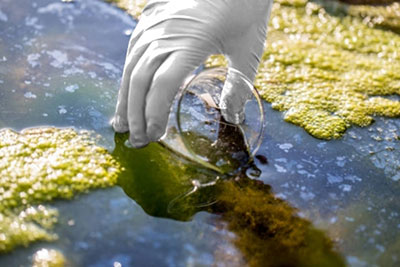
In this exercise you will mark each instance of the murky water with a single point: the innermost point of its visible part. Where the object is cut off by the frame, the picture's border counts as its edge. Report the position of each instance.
(60, 65)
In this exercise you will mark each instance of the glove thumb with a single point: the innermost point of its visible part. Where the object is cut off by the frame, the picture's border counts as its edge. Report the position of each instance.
(235, 93)
(243, 57)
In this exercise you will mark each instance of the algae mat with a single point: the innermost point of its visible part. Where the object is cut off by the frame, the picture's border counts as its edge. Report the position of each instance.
(326, 65)
(40, 165)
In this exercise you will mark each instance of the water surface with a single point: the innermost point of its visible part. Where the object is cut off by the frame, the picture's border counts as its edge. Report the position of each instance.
(60, 65)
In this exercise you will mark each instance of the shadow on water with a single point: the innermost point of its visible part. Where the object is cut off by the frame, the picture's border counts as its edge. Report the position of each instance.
(268, 231)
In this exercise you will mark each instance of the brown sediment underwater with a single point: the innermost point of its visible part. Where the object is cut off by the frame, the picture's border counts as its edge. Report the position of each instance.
(268, 230)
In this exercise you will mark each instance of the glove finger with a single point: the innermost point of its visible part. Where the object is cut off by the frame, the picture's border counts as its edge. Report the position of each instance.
(140, 82)
(146, 32)
(137, 46)
(120, 120)
(166, 83)
(236, 91)
(150, 36)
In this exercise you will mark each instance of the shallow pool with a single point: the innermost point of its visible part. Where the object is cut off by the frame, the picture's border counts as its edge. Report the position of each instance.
(60, 65)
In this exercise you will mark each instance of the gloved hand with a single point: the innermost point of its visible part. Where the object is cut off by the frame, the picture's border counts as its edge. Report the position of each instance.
(172, 38)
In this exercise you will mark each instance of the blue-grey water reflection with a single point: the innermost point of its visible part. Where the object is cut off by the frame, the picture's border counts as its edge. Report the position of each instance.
(60, 65)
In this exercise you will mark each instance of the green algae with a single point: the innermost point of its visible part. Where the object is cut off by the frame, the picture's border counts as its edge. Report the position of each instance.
(48, 258)
(385, 17)
(40, 165)
(155, 169)
(325, 71)
(368, 2)
(133, 7)
(268, 231)
(24, 227)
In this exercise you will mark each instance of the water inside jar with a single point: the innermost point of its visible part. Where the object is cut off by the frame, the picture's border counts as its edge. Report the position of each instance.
(198, 130)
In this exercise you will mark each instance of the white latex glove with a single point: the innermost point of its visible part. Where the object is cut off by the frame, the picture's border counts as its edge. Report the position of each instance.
(173, 38)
